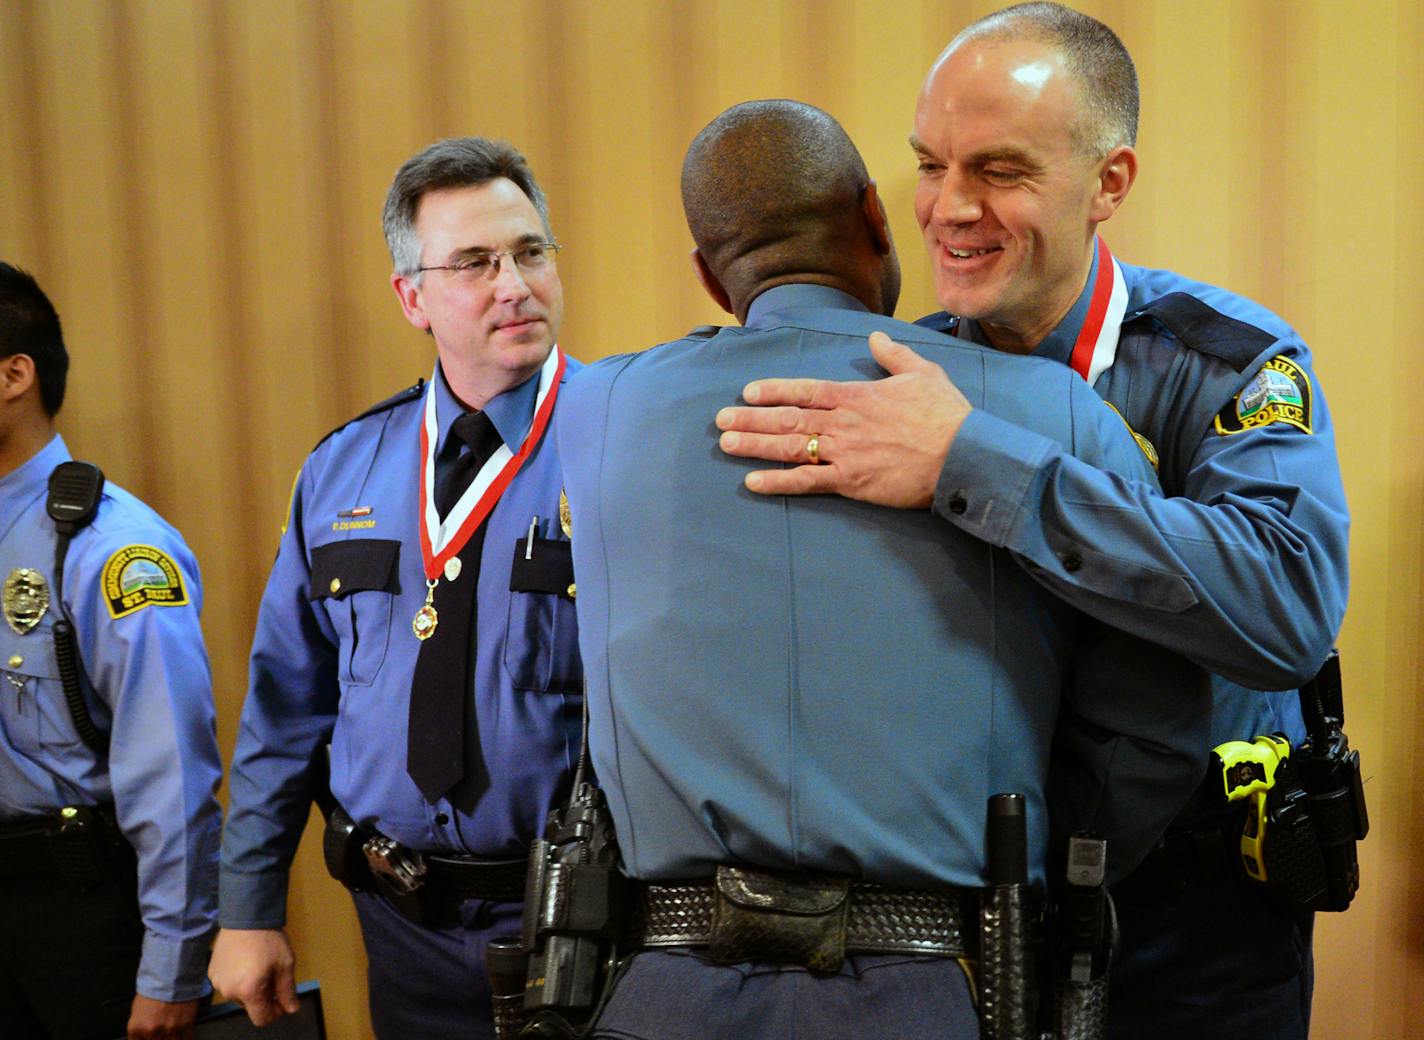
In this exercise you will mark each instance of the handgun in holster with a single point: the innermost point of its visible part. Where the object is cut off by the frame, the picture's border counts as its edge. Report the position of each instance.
(552, 980)
(1082, 938)
(1305, 807)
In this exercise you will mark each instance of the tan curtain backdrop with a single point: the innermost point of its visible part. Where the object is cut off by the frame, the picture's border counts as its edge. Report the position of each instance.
(198, 186)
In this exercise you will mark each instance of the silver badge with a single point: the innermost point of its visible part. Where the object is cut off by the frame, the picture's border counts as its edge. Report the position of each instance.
(452, 568)
(25, 599)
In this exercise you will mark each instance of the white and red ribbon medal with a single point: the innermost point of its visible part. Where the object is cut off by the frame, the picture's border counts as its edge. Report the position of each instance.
(442, 540)
(1096, 347)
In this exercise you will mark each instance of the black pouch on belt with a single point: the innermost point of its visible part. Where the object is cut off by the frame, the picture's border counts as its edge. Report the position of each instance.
(341, 848)
(762, 915)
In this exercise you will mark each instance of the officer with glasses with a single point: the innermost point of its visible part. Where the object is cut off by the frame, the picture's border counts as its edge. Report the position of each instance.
(417, 640)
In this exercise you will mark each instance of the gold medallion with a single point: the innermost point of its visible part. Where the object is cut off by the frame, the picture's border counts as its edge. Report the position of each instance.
(424, 623)
(566, 516)
(25, 599)
(425, 620)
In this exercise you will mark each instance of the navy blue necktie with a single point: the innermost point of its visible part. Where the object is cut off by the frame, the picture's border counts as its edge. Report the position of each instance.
(441, 694)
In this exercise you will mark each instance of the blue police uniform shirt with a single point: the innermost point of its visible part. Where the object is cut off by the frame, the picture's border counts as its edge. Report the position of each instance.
(817, 683)
(334, 655)
(132, 590)
(1255, 517)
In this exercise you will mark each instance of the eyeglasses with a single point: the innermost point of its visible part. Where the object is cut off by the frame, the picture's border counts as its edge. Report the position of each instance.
(484, 267)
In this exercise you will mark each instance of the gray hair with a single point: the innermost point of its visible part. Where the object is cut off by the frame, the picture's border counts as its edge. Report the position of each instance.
(456, 162)
(1092, 53)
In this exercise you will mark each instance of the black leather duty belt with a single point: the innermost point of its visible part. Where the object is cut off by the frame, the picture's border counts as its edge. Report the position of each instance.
(429, 885)
(877, 918)
(465, 878)
(81, 844)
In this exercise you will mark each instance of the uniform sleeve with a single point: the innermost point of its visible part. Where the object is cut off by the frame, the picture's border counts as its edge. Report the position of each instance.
(287, 719)
(1245, 572)
(143, 650)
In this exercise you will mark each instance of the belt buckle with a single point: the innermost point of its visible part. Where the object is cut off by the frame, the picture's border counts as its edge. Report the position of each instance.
(772, 916)
(398, 870)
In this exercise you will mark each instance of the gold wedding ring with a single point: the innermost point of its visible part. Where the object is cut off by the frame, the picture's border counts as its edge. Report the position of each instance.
(813, 450)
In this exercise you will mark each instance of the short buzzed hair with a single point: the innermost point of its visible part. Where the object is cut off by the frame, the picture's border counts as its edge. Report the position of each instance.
(29, 325)
(456, 162)
(770, 183)
(1092, 52)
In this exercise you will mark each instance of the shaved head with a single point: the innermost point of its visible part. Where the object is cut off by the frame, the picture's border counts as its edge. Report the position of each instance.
(773, 189)
(1097, 59)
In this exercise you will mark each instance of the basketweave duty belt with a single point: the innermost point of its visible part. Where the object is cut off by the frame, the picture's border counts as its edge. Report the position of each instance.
(879, 919)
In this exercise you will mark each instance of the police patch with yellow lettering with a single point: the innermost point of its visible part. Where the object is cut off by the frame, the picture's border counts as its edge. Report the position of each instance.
(139, 576)
(1280, 393)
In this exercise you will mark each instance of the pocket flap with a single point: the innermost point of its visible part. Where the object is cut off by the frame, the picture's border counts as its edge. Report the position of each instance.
(808, 894)
(30, 656)
(548, 568)
(357, 565)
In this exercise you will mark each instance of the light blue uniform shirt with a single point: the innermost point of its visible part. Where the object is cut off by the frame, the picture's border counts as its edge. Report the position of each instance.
(334, 664)
(1243, 568)
(817, 683)
(151, 692)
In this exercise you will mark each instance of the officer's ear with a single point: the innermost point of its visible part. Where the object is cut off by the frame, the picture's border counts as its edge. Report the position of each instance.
(710, 283)
(1116, 173)
(412, 302)
(17, 376)
(876, 219)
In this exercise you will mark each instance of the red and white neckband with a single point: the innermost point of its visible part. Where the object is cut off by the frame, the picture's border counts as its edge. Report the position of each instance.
(1096, 347)
(441, 540)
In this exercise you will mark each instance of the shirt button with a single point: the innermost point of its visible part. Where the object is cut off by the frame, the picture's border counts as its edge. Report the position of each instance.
(441, 819)
(1071, 561)
(957, 505)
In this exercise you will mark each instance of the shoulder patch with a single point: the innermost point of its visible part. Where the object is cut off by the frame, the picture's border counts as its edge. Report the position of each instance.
(1280, 393)
(139, 576)
(410, 393)
(1206, 330)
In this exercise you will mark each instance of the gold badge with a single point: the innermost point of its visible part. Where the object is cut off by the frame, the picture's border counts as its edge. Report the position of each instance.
(566, 516)
(25, 598)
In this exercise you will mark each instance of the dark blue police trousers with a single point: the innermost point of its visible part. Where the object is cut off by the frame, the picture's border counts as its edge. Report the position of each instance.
(429, 983)
(681, 995)
(1215, 961)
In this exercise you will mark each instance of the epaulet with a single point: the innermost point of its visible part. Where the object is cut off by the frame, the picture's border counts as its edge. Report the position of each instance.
(1206, 330)
(410, 393)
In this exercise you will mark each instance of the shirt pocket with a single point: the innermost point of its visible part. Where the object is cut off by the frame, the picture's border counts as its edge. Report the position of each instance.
(541, 644)
(359, 579)
(32, 704)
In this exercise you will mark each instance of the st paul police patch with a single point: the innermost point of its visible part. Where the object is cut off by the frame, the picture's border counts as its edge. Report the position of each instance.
(139, 576)
(1280, 393)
